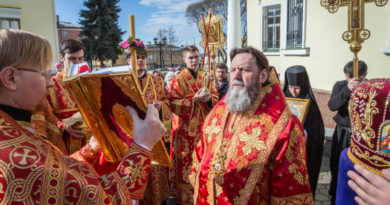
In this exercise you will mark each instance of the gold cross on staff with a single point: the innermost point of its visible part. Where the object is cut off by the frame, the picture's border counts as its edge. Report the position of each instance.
(356, 33)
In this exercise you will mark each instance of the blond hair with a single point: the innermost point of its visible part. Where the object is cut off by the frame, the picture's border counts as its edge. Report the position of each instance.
(21, 48)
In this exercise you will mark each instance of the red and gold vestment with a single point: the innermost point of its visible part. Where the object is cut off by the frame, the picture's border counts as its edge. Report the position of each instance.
(46, 124)
(157, 189)
(63, 106)
(186, 131)
(257, 157)
(33, 171)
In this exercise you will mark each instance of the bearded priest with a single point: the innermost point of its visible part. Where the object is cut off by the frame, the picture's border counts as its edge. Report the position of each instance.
(252, 149)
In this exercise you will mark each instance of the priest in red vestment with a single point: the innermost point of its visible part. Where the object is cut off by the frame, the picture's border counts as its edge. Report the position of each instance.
(153, 89)
(252, 149)
(34, 171)
(67, 121)
(191, 107)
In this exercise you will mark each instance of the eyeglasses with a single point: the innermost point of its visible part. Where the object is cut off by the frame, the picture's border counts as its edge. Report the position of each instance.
(46, 75)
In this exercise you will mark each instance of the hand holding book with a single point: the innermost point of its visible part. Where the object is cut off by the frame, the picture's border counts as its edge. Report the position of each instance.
(149, 131)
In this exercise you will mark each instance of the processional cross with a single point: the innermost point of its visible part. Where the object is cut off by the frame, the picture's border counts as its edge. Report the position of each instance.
(356, 33)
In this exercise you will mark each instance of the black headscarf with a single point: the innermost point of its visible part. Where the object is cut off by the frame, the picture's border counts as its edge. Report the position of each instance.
(297, 76)
(314, 125)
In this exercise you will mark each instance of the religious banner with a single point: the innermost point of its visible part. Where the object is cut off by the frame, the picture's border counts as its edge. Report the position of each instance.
(212, 38)
(215, 37)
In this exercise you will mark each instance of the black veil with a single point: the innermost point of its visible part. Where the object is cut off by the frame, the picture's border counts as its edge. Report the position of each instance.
(314, 125)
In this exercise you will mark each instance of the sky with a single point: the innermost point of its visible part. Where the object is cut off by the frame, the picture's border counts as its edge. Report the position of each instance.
(150, 16)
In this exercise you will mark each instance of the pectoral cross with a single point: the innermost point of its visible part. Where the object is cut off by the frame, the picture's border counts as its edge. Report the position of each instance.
(356, 33)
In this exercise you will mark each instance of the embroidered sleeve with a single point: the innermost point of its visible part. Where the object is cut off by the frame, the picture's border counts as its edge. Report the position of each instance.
(289, 180)
(130, 177)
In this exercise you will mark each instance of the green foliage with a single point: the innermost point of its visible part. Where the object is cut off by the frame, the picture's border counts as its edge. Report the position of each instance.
(101, 33)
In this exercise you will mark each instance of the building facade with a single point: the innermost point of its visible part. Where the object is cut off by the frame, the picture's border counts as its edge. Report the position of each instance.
(67, 30)
(171, 56)
(302, 32)
(36, 16)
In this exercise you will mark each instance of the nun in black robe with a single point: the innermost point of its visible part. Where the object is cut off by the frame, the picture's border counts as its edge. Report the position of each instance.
(314, 125)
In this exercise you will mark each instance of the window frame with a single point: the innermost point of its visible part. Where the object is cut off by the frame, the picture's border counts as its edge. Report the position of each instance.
(10, 14)
(263, 10)
(64, 32)
(303, 50)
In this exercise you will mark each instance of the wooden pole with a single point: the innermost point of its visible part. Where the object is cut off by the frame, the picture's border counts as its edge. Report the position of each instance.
(205, 44)
(208, 48)
(213, 50)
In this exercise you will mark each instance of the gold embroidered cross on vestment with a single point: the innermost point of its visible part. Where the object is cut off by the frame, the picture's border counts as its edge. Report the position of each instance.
(251, 141)
(212, 129)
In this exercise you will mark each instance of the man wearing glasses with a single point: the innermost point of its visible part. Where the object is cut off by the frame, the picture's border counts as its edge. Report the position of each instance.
(60, 122)
(32, 170)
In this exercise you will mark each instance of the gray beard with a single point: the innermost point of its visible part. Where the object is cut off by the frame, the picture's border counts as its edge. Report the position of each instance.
(239, 100)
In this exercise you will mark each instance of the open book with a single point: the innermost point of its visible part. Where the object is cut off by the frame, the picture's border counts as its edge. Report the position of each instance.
(101, 97)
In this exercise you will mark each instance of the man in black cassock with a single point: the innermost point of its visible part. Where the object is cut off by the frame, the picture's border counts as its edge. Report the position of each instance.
(339, 101)
(297, 85)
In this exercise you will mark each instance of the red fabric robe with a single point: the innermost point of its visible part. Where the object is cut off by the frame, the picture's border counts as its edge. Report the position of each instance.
(186, 132)
(157, 189)
(61, 103)
(33, 171)
(257, 157)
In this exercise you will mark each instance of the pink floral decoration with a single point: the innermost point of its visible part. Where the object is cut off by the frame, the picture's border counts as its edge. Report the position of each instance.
(125, 44)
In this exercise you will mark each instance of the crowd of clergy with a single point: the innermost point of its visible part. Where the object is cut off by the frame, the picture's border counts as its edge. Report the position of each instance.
(232, 138)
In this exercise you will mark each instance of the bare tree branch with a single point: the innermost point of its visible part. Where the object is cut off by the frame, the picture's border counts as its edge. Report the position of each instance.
(171, 33)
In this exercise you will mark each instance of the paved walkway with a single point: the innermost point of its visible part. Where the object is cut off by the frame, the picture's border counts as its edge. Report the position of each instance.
(322, 196)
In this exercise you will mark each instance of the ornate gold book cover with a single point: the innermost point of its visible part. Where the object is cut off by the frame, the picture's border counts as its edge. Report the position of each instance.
(101, 99)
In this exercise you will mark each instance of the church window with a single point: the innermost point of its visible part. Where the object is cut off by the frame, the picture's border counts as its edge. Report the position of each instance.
(64, 34)
(295, 21)
(9, 18)
(271, 29)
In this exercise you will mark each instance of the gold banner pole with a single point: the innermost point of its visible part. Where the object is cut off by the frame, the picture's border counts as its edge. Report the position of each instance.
(134, 54)
(132, 49)
(355, 66)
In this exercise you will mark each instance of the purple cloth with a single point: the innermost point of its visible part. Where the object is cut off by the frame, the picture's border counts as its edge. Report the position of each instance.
(345, 195)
